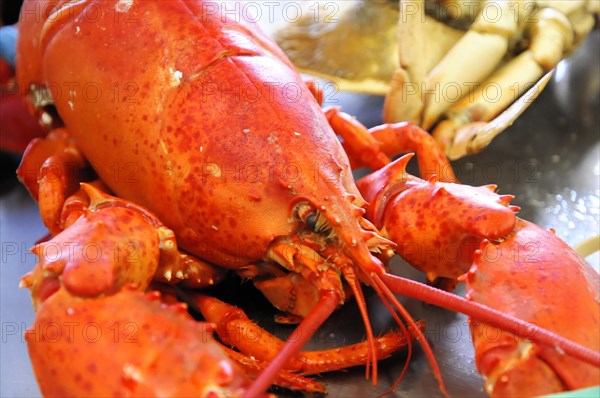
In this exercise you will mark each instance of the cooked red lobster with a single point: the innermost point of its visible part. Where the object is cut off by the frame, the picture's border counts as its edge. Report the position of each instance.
(213, 155)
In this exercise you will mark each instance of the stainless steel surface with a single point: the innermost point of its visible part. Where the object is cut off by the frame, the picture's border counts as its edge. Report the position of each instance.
(549, 159)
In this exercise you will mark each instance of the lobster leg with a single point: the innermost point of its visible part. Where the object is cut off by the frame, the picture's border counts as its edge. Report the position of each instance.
(87, 277)
(323, 295)
(113, 242)
(51, 170)
(174, 266)
(375, 147)
(328, 302)
(301, 259)
(235, 329)
(54, 185)
(285, 379)
(360, 146)
(315, 90)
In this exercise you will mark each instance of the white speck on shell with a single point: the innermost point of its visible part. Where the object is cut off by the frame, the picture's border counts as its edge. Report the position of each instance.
(176, 77)
(123, 5)
(133, 373)
(168, 275)
(212, 169)
(46, 119)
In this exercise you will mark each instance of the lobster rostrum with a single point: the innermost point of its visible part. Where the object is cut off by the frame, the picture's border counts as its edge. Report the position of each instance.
(196, 147)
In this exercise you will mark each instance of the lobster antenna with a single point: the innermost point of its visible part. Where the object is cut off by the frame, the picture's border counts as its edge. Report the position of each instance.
(411, 322)
(488, 315)
(328, 302)
(350, 277)
(394, 314)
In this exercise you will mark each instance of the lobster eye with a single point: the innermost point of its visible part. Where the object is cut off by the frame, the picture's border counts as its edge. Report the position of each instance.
(311, 221)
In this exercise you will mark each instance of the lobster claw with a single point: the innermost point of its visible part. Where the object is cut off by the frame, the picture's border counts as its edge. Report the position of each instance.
(436, 225)
(132, 342)
(108, 243)
(544, 271)
(106, 248)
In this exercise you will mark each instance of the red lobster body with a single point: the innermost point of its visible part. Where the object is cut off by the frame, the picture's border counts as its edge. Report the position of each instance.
(228, 134)
(203, 121)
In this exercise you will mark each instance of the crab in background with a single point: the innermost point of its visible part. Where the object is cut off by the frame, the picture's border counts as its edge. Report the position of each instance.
(465, 68)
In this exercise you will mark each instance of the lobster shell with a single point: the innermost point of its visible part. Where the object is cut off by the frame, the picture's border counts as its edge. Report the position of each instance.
(75, 343)
(172, 106)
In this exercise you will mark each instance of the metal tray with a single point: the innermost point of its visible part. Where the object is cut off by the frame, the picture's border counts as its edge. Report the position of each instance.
(549, 159)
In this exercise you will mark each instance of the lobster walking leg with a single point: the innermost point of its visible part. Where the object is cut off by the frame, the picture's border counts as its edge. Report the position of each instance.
(327, 297)
(375, 147)
(327, 303)
(235, 329)
(51, 169)
(285, 379)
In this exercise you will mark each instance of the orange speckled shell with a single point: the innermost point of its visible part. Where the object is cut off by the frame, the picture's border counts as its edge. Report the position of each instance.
(90, 348)
(536, 277)
(201, 120)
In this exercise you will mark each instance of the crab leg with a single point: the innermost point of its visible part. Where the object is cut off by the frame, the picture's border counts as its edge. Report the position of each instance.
(424, 42)
(551, 37)
(467, 132)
